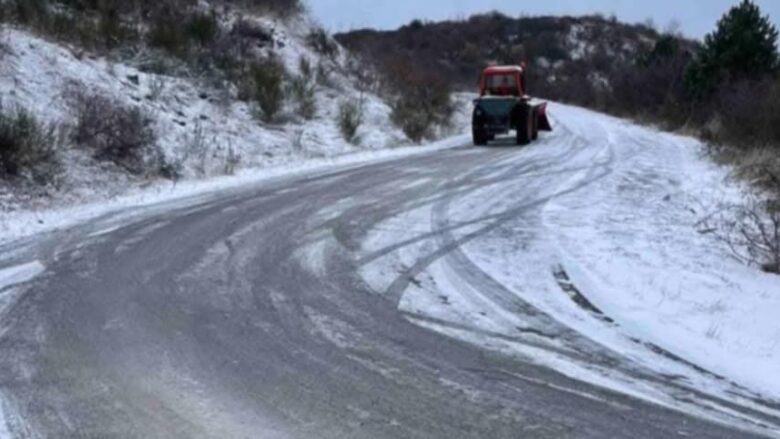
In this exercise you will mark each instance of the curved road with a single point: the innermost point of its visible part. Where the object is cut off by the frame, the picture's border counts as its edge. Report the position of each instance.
(211, 320)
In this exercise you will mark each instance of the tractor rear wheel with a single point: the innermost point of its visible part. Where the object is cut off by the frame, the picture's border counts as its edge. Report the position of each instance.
(480, 137)
(524, 126)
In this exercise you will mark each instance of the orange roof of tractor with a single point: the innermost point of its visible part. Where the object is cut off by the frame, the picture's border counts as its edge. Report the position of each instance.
(502, 81)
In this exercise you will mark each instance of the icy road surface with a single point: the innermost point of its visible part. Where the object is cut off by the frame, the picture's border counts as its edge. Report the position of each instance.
(496, 292)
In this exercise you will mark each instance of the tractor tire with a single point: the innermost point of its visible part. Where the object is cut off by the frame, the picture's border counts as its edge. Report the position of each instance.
(525, 126)
(480, 137)
(535, 129)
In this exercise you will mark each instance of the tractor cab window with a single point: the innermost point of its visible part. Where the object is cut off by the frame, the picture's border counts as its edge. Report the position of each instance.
(501, 84)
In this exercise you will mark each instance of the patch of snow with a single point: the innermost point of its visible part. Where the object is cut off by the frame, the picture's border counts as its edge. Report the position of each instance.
(577, 43)
(4, 433)
(15, 275)
(18, 274)
(23, 224)
(9, 278)
(543, 62)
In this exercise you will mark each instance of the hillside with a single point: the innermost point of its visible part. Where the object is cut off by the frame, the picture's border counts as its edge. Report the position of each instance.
(132, 94)
(723, 90)
(570, 58)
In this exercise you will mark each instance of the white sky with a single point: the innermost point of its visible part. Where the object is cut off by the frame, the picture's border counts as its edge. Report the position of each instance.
(696, 17)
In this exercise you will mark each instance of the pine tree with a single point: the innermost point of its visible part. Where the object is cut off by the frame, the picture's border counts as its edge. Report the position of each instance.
(743, 46)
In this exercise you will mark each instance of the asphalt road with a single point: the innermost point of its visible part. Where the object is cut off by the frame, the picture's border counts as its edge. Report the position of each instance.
(205, 321)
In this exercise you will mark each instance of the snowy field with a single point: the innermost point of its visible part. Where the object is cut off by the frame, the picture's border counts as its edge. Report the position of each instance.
(591, 262)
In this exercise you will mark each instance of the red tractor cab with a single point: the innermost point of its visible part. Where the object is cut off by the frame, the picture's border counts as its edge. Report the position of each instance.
(502, 81)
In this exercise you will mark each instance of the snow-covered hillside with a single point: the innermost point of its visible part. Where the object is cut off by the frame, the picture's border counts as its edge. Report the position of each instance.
(207, 131)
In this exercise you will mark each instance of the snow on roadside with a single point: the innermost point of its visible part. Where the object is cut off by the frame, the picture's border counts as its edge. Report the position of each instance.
(632, 247)
(10, 277)
(4, 433)
(23, 224)
(621, 226)
(602, 211)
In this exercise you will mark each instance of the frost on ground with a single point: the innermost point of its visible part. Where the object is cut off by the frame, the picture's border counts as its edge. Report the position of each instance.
(4, 433)
(595, 226)
(9, 278)
(206, 130)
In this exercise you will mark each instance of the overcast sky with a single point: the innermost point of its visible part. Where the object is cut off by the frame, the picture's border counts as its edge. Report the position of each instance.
(696, 17)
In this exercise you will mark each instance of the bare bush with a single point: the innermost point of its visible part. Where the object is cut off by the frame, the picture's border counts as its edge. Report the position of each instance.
(157, 86)
(115, 132)
(364, 75)
(752, 233)
(324, 75)
(232, 161)
(5, 46)
(170, 168)
(302, 88)
(167, 33)
(322, 43)
(196, 148)
(350, 118)
(423, 102)
(748, 112)
(202, 28)
(267, 87)
(28, 148)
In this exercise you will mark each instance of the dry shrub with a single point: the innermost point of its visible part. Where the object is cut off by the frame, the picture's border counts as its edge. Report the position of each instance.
(322, 43)
(28, 148)
(423, 100)
(350, 118)
(115, 132)
(302, 89)
(266, 85)
(752, 233)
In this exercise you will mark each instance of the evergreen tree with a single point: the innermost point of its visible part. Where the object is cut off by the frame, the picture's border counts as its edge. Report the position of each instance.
(744, 46)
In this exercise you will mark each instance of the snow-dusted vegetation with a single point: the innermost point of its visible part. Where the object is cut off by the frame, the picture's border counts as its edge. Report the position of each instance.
(243, 87)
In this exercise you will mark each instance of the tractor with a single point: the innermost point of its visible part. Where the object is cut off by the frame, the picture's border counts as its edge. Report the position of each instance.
(503, 106)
